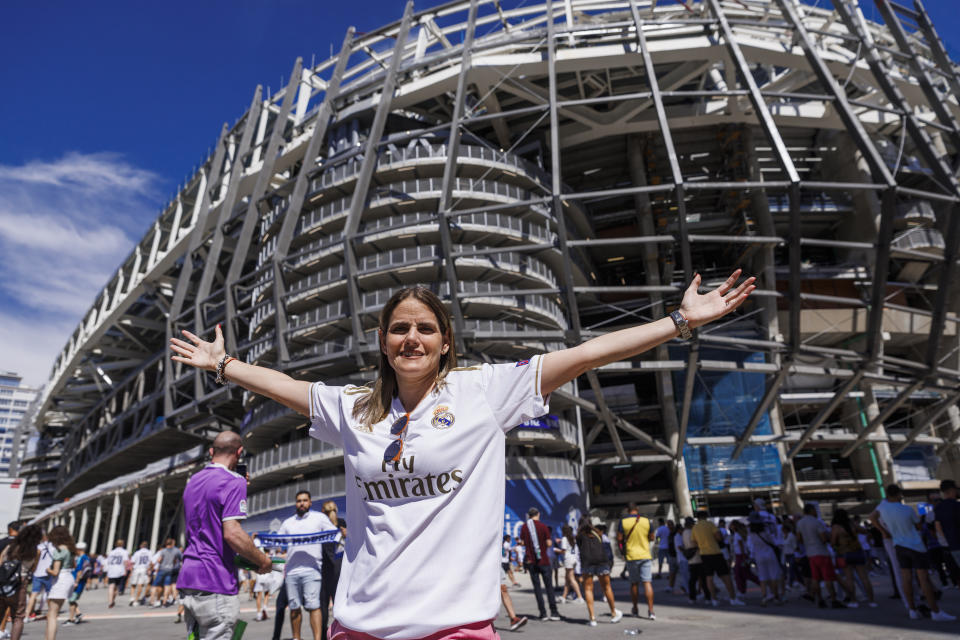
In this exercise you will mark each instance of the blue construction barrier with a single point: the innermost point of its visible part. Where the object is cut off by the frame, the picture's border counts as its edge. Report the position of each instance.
(722, 405)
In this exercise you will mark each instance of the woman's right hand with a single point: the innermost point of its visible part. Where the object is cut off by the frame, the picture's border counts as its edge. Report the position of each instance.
(200, 354)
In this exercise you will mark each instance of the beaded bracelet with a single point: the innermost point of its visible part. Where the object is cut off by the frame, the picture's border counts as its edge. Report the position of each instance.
(221, 366)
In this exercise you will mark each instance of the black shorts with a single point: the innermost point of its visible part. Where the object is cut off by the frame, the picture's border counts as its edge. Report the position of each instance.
(715, 564)
(803, 566)
(911, 559)
(505, 566)
(118, 581)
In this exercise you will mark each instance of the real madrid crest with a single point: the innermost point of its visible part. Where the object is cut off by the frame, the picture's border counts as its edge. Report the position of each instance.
(442, 417)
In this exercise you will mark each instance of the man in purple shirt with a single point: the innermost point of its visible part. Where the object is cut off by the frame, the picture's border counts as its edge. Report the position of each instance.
(214, 502)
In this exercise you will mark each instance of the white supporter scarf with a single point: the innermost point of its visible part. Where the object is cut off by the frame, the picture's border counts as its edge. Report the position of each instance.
(534, 537)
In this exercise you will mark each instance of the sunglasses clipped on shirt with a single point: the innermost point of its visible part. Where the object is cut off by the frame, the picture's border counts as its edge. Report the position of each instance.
(398, 430)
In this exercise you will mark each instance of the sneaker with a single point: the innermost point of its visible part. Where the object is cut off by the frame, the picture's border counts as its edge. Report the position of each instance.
(580, 601)
(872, 605)
(178, 620)
(715, 603)
(851, 605)
(516, 623)
(651, 616)
(156, 604)
(130, 604)
(915, 615)
(592, 623)
(78, 618)
(554, 616)
(617, 615)
(635, 611)
(737, 602)
(942, 616)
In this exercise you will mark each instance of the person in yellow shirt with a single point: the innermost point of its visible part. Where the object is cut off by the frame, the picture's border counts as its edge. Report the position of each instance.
(634, 537)
(708, 539)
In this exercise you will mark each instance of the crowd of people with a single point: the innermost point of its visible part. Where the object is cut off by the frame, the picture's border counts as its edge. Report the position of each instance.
(802, 556)
(830, 564)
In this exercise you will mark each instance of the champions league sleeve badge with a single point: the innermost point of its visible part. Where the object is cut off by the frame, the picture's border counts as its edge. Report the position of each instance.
(442, 417)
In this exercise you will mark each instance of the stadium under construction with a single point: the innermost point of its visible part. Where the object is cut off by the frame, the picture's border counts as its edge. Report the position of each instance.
(554, 171)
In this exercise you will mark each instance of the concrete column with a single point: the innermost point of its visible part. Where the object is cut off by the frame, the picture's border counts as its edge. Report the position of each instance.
(884, 460)
(764, 263)
(950, 457)
(97, 516)
(182, 526)
(668, 404)
(84, 518)
(114, 515)
(132, 531)
(155, 526)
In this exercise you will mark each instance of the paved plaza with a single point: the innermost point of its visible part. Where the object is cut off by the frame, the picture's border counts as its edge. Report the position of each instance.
(675, 619)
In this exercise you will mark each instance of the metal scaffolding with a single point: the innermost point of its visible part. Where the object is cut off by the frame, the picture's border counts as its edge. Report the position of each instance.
(555, 171)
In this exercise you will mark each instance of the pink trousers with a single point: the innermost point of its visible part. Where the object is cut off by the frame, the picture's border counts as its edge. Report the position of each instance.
(474, 631)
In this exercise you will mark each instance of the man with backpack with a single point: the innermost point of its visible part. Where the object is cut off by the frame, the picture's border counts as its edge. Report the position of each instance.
(634, 538)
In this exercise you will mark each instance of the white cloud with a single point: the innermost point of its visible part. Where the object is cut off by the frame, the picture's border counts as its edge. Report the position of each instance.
(65, 227)
(92, 172)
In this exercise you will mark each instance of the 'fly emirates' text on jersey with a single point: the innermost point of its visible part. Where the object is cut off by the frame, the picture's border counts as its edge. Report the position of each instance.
(428, 555)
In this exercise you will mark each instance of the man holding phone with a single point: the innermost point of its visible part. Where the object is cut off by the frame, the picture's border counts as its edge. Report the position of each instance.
(214, 502)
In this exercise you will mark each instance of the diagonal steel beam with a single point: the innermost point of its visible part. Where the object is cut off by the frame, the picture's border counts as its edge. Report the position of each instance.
(935, 102)
(932, 417)
(768, 397)
(633, 430)
(186, 270)
(937, 50)
(756, 99)
(937, 165)
(684, 235)
(878, 167)
(364, 176)
(252, 215)
(888, 410)
(450, 177)
(211, 265)
(292, 216)
(826, 410)
(880, 174)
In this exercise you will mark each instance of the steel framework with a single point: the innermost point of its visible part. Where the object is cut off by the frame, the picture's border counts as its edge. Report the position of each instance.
(557, 170)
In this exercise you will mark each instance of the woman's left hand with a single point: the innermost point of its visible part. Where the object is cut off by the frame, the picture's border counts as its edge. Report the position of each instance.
(701, 309)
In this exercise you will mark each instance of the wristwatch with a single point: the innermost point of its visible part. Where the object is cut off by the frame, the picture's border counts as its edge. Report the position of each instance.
(682, 325)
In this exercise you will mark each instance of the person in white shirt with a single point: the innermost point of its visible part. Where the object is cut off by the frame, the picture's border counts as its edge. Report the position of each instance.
(116, 571)
(139, 575)
(663, 545)
(42, 581)
(424, 452)
(304, 561)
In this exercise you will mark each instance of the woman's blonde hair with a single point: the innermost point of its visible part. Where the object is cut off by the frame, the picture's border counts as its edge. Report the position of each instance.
(374, 406)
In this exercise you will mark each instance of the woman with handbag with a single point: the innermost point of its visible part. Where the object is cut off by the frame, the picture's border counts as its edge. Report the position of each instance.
(594, 563)
(22, 556)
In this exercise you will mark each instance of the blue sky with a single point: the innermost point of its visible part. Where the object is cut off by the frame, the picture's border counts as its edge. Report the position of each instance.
(108, 105)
